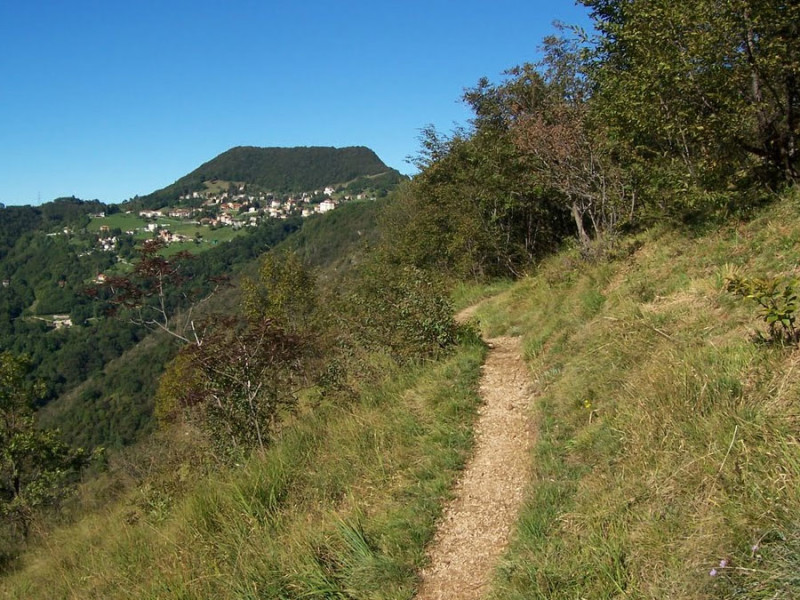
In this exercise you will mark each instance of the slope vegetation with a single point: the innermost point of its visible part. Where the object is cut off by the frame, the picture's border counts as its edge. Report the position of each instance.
(340, 506)
(667, 462)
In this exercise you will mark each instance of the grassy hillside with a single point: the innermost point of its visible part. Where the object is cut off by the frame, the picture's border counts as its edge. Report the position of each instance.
(668, 455)
(114, 407)
(667, 462)
(15, 221)
(340, 506)
(335, 241)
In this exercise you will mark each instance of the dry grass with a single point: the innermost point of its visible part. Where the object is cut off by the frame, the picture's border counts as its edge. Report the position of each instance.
(667, 463)
(341, 506)
(670, 441)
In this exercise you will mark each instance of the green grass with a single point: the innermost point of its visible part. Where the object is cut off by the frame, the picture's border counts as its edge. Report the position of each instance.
(466, 294)
(124, 221)
(667, 438)
(340, 506)
(218, 186)
(131, 222)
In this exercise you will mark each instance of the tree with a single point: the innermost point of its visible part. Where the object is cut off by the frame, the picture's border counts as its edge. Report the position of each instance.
(402, 310)
(36, 468)
(236, 383)
(474, 210)
(284, 293)
(241, 372)
(710, 86)
(153, 293)
(565, 147)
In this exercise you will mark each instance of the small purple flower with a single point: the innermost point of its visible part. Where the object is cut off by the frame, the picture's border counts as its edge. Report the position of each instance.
(723, 563)
(712, 573)
(754, 548)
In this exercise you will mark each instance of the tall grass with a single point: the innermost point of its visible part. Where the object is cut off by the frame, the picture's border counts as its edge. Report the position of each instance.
(668, 455)
(340, 506)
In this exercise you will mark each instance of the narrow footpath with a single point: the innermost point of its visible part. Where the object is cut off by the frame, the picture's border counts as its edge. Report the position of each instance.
(477, 524)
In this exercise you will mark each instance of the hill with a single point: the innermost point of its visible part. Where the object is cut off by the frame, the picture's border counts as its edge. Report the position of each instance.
(667, 420)
(97, 390)
(282, 170)
(111, 405)
(645, 203)
(666, 446)
(15, 221)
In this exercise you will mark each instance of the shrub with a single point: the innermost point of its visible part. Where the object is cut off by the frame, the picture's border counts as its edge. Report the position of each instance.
(404, 310)
(236, 382)
(777, 300)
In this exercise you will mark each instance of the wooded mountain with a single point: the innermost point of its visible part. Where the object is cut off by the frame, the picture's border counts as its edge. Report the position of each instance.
(316, 420)
(281, 170)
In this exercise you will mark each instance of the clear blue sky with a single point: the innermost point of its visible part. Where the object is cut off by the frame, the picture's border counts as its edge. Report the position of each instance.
(108, 99)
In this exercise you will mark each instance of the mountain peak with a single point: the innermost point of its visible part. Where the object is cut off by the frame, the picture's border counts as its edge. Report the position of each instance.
(280, 170)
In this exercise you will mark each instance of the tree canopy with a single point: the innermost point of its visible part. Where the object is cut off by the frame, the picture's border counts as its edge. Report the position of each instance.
(710, 87)
(671, 112)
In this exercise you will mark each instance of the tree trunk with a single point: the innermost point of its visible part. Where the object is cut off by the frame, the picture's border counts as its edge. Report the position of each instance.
(577, 214)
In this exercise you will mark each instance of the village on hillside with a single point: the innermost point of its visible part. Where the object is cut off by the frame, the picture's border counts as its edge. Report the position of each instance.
(215, 215)
(229, 208)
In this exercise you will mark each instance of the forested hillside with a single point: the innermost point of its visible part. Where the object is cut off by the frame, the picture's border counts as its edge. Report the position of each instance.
(284, 170)
(627, 204)
(97, 386)
(47, 279)
(15, 221)
(115, 408)
(680, 114)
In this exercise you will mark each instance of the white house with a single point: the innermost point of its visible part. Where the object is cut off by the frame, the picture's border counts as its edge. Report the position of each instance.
(326, 205)
(60, 321)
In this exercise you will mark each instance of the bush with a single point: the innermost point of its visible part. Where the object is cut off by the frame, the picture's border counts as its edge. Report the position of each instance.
(404, 310)
(777, 300)
(235, 383)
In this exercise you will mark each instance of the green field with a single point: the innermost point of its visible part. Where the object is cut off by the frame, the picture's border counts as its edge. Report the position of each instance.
(209, 237)
(124, 221)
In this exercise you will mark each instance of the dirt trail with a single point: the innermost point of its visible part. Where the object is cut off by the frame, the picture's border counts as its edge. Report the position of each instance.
(477, 524)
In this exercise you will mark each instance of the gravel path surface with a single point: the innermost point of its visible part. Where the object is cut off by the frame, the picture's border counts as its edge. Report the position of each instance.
(477, 525)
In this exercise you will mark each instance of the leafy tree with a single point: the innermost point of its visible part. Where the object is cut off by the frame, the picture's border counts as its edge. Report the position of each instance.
(36, 468)
(236, 383)
(236, 374)
(151, 295)
(403, 310)
(565, 144)
(706, 92)
(474, 210)
(284, 293)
